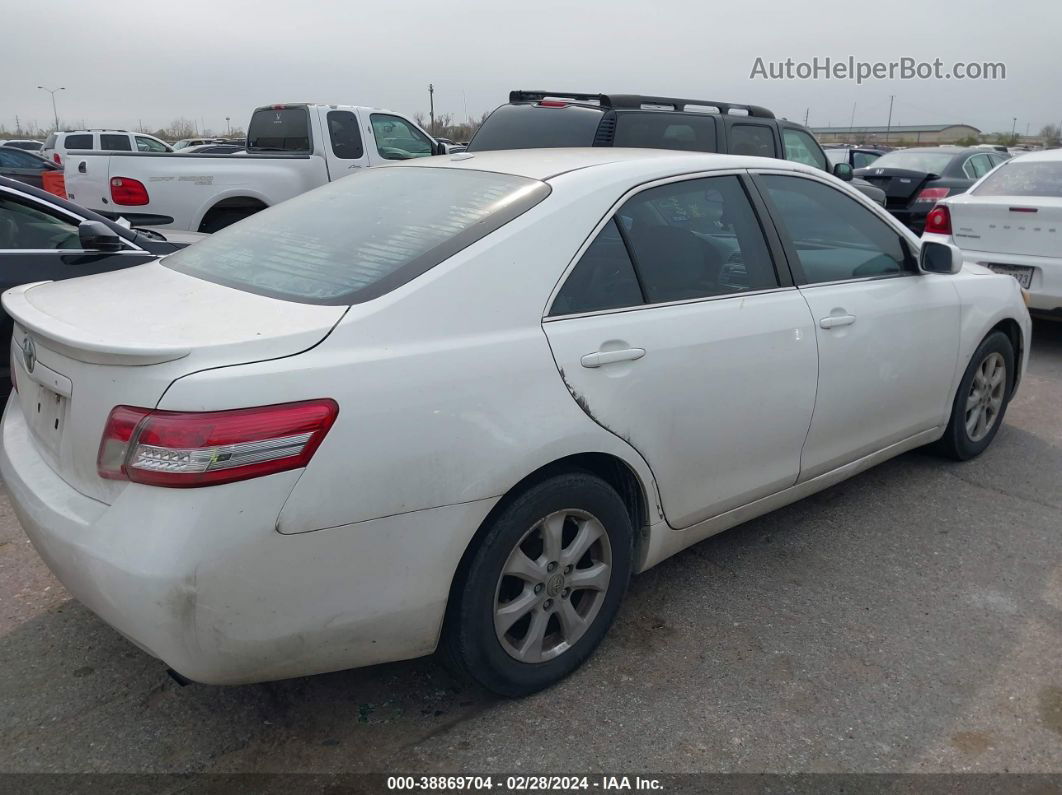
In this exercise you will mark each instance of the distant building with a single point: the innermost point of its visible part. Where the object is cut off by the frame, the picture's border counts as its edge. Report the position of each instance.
(911, 134)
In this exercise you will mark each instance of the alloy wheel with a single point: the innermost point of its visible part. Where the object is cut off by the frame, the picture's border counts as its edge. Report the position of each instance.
(552, 586)
(985, 401)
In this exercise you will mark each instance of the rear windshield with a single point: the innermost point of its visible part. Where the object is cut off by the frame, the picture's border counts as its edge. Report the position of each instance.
(279, 130)
(656, 130)
(359, 237)
(927, 162)
(533, 127)
(1023, 179)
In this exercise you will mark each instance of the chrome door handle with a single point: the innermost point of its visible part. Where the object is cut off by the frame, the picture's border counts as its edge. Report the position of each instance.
(832, 321)
(598, 358)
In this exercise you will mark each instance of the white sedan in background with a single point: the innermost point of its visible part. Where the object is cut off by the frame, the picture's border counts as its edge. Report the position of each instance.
(1011, 222)
(457, 403)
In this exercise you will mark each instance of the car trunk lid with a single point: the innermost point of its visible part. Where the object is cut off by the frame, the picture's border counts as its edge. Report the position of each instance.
(83, 346)
(900, 185)
(1023, 225)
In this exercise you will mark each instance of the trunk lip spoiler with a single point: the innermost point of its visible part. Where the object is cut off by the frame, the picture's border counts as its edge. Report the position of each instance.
(74, 342)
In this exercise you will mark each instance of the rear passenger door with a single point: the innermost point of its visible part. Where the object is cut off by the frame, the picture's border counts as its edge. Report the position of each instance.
(345, 151)
(676, 331)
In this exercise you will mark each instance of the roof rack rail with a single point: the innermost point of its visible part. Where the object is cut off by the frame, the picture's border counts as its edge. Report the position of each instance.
(638, 101)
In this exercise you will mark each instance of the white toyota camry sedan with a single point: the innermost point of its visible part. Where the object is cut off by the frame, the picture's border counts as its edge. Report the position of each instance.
(455, 404)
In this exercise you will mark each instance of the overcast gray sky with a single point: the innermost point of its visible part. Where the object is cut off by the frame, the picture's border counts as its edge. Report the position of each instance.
(124, 62)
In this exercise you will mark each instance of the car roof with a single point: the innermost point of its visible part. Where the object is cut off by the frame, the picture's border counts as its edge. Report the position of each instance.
(1043, 155)
(546, 163)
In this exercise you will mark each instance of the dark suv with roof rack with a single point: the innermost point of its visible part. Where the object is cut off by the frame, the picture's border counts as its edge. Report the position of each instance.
(539, 119)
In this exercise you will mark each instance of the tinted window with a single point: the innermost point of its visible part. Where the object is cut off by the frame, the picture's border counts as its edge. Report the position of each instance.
(279, 130)
(397, 139)
(696, 238)
(114, 143)
(603, 278)
(752, 139)
(800, 147)
(29, 146)
(928, 162)
(145, 144)
(26, 227)
(14, 158)
(835, 237)
(977, 166)
(78, 141)
(689, 132)
(533, 127)
(344, 135)
(1024, 178)
(359, 237)
(863, 159)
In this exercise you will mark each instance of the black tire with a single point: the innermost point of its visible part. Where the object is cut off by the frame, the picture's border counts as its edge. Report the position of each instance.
(957, 442)
(470, 644)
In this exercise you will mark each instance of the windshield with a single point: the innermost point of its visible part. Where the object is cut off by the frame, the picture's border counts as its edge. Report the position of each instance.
(359, 237)
(927, 162)
(1023, 179)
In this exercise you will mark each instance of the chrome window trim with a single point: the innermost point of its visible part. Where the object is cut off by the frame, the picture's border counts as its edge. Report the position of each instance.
(683, 302)
(74, 251)
(610, 214)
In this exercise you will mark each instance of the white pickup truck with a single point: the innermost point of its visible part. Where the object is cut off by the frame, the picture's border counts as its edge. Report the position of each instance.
(291, 149)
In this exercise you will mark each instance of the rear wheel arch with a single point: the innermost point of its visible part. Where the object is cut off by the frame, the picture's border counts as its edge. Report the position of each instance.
(228, 211)
(616, 472)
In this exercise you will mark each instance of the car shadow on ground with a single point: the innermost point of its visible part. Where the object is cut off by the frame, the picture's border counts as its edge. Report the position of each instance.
(854, 630)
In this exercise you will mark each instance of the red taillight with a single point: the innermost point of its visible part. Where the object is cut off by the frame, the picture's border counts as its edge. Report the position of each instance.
(552, 103)
(183, 449)
(58, 160)
(931, 194)
(938, 220)
(130, 192)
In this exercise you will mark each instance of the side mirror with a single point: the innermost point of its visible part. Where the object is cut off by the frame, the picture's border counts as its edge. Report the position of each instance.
(97, 236)
(939, 258)
(438, 148)
(843, 171)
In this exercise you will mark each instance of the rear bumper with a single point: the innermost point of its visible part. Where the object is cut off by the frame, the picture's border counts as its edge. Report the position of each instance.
(201, 579)
(1045, 291)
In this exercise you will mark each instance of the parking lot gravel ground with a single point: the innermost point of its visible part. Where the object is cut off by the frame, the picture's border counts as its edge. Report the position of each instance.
(908, 620)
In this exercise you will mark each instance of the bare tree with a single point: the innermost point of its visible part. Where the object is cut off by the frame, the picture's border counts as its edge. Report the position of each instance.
(1052, 135)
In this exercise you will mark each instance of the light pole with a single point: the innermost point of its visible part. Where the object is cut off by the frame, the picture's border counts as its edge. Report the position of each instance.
(54, 111)
(228, 127)
(1013, 125)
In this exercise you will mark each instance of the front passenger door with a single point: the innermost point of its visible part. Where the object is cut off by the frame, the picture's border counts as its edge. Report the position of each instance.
(675, 332)
(888, 334)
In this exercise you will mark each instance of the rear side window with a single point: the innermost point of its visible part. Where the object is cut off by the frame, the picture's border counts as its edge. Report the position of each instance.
(524, 126)
(360, 237)
(694, 133)
(114, 143)
(752, 139)
(602, 279)
(78, 141)
(1024, 179)
(835, 237)
(279, 130)
(800, 147)
(344, 134)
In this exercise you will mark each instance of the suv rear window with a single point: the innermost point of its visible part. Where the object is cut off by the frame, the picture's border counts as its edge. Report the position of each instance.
(359, 237)
(114, 142)
(78, 141)
(279, 130)
(533, 127)
(656, 130)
